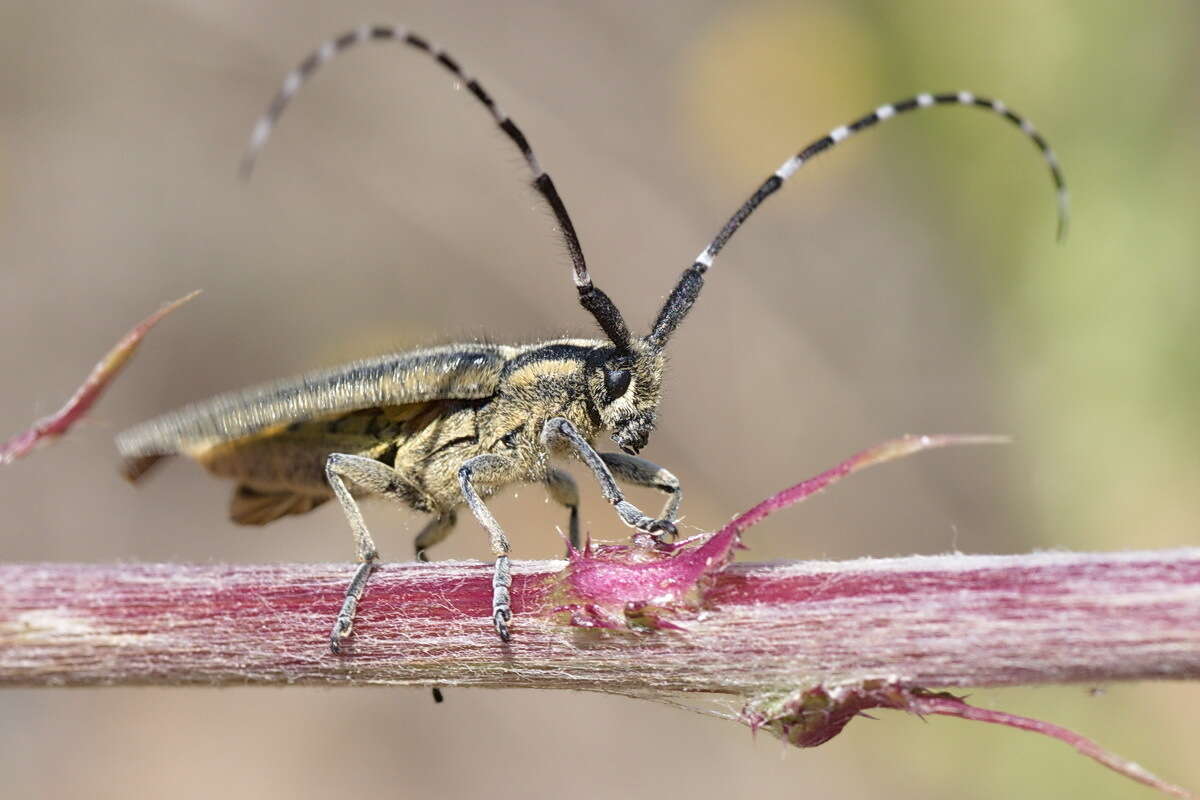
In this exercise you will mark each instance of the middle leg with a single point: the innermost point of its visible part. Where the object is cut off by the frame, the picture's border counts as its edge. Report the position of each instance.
(562, 488)
(495, 470)
(434, 531)
(437, 529)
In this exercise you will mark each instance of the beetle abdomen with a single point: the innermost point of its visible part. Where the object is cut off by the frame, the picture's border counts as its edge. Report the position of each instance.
(252, 507)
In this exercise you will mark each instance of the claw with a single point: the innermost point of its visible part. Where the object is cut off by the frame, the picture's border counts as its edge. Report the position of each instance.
(344, 623)
(666, 526)
(500, 619)
(341, 629)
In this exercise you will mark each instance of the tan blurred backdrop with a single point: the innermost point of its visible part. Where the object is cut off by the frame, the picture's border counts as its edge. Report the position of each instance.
(907, 282)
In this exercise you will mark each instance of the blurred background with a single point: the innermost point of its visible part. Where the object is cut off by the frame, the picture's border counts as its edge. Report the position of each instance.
(909, 281)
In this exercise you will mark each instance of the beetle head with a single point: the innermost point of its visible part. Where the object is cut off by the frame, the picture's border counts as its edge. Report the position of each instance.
(625, 388)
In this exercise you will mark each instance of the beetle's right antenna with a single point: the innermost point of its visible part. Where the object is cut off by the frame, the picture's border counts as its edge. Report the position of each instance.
(595, 301)
(684, 295)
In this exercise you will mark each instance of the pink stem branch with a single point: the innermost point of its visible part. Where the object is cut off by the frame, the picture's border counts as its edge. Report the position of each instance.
(941, 621)
(954, 707)
(97, 381)
(807, 646)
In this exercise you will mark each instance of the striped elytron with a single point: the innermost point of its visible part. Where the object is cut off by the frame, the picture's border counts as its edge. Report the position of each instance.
(440, 427)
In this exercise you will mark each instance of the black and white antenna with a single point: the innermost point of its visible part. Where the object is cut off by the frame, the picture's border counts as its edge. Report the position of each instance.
(684, 295)
(591, 298)
(688, 289)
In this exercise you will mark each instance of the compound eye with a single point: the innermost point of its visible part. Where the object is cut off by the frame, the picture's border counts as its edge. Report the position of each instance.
(616, 383)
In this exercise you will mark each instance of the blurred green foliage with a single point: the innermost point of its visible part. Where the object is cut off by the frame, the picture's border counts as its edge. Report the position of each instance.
(1099, 337)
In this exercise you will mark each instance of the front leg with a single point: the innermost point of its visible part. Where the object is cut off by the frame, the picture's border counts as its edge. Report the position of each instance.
(641, 472)
(560, 431)
(495, 470)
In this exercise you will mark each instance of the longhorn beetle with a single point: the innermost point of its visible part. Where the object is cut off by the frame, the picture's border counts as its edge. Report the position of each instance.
(443, 426)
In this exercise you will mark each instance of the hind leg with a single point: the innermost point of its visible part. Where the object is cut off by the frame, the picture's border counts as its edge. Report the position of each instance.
(377, 478)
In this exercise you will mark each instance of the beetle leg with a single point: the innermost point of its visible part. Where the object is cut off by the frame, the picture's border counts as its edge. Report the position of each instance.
(377, 478)
(561, 431)
(437, 529)
(562, 488)
(491, 469)
(434, 531)
(640, 472)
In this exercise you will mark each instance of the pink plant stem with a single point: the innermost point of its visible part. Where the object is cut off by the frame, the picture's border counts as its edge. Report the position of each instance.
(940, 621)
(954, 707)
(97, 381)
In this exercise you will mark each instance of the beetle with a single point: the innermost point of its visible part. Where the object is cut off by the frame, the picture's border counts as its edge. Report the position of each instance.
(446, 426)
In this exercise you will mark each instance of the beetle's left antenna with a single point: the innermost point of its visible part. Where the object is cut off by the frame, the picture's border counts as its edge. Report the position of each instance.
(595, 301)
(684, 295)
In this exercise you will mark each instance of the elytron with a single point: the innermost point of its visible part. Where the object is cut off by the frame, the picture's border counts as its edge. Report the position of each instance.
(436, 428)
